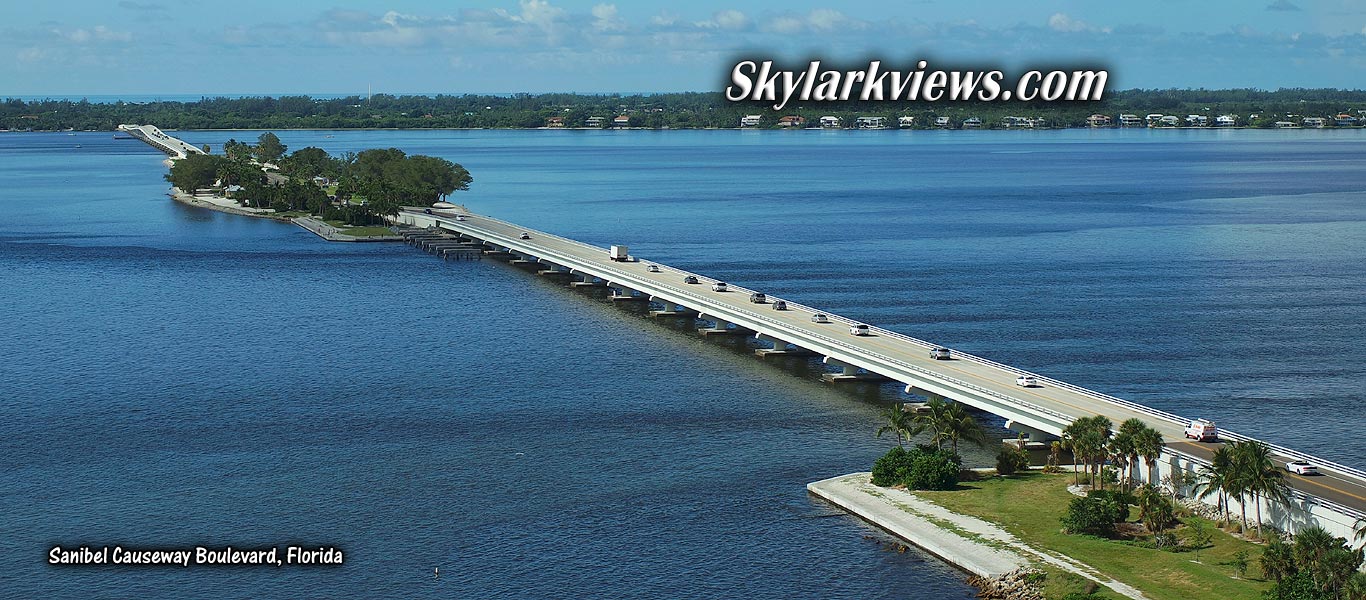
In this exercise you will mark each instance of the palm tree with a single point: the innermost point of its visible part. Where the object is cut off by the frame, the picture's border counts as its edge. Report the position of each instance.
(1359, 531)
(1070, 434)
(897, 421)
(1278, 560)
(1125, 445)
(961, 425)
(1260, 476)
(1149, 444)
(1153, 509)
(1312, 545)
(935, 418)
(1355, 589)
(1215, 478)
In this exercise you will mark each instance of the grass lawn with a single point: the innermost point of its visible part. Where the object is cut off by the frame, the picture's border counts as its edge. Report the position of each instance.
(365, 231)
(1031, 505)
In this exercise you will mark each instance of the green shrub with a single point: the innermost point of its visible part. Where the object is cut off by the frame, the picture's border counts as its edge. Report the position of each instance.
(934, 470)
(920, 468)
(892, 468)
(1011, 459)
(1093, 515)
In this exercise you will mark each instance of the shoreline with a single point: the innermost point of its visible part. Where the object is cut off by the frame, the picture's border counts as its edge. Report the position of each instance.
(995, 558)
(204, 202)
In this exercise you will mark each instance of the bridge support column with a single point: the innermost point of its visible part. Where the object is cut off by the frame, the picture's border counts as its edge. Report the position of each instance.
(722, 327)
(627, 295)
(780, 347)
(586, 280)
(1032, 434)
(672, 309)
(850, 372)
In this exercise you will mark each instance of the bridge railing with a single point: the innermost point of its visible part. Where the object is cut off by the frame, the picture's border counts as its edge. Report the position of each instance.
(1294, 494)
(1134, 406)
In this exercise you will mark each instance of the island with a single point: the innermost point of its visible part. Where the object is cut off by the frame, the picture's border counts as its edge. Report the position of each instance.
(340, 198)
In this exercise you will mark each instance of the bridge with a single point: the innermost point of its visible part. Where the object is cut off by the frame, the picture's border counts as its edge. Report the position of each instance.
(1335, 500)
(154, 137)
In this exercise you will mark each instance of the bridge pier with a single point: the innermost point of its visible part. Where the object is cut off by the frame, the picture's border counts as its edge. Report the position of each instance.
(780, 347)
(672, 309)
(721, 327)
(1031, 434)
(627, 295)
(850, 372)
(586, 280)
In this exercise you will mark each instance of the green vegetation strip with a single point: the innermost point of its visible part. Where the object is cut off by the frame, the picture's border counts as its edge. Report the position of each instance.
(1031, 505)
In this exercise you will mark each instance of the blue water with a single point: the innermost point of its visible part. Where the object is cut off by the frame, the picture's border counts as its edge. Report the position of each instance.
(172, 376)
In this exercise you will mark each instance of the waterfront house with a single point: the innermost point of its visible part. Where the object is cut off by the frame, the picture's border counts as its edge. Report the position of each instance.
(1287, 125)
(1098, 121)
(829, 122)
(1197, 121)
(1127, 120)
(792, 121)
(941, 122)
(622, 121)
(871, 123)
(1169, 121)
(594, 122)
(1017, 123)
(1152, 119)
(750, 120)
(1225, 121)
(554, 122)
(972, 123)
(1345, 120)
(1315, 122)
(905, 122)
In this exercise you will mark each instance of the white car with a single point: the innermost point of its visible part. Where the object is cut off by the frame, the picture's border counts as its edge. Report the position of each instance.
(652, 268)
(460, 217)
(1026, 381)
(820, 318)
(719, 286)
(1301, 467)
(525, 235)
(941, 353)
(859, 329)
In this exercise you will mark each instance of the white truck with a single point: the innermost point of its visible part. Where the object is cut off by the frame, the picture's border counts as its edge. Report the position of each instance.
(1202, 430)
(618, 253)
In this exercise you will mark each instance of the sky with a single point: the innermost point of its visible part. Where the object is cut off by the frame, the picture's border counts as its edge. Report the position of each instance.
(214, 47)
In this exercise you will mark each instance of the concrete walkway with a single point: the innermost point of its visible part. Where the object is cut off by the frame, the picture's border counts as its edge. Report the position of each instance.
(972, 544)
(332, 234)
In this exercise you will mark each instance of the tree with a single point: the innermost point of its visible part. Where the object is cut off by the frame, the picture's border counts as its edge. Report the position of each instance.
(960, 425)
(1258, 474)
(1239, 563)
(1093, 515)
(268, 148)
(195, 171)
(1124, 446)
(935, 418)
(1149, 444)
(1154, 510)
(897, 421)
(1218, 478)
(1177, 481)
(1278, 560)
(1200, 537)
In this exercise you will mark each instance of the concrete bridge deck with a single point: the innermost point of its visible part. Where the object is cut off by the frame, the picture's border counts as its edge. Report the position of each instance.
(976, 381)
(154, 137)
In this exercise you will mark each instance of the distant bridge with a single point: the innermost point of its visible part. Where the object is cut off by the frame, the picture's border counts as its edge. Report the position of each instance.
(175, 148)
(1333, 500)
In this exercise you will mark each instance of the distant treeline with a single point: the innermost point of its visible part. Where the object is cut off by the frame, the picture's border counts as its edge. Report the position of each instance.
(654, 111)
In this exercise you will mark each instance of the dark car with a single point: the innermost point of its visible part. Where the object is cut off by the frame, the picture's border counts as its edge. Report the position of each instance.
(689, 279)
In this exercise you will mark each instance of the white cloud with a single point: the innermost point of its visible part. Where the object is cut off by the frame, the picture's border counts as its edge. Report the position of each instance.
(605, 18)
(729, 19)
(1062, 22)
(98, 33)
(824, 19)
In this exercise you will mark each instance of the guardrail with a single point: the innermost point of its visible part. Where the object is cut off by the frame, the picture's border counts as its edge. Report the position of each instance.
(1134, 406)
